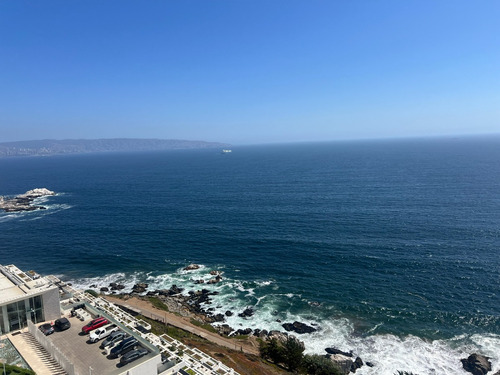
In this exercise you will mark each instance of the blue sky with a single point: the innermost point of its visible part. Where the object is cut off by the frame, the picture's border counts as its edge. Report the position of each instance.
(248, 71)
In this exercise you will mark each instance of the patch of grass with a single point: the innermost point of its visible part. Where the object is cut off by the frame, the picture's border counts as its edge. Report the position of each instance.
(205, 326)
(159, 328)
(238, 337)
(158, 303)
(92, 292)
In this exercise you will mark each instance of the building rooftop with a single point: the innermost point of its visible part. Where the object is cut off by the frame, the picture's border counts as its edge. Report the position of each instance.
(15, 283)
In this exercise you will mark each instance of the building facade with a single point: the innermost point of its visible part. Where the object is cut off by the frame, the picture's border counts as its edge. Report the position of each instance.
(26, 296)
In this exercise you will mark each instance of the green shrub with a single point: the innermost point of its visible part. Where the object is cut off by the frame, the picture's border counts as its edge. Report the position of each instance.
(92, 292)
(319, 365)
(14, 370)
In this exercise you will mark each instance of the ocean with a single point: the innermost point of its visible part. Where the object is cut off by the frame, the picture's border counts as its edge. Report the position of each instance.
(389, 247)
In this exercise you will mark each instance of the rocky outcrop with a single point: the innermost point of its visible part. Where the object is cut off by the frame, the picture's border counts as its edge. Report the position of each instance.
(115, 286)
(247, 313)
(358, 363)
(477, 364)
(139, 288)
(24, 201)
(298, 327)
(343, 362)
(215, 280)
(192, 267)
(244, 332)
(337, 351)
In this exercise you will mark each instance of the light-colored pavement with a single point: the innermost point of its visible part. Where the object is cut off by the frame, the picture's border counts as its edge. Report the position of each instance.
(34, 354)
(148, 310)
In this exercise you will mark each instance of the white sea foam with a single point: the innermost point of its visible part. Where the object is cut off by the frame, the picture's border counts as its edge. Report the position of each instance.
(388, 353)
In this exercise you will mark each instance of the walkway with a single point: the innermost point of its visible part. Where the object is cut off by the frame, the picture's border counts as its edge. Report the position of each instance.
(146, 309)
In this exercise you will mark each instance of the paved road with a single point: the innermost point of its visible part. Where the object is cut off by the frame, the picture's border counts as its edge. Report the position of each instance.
(146, 309)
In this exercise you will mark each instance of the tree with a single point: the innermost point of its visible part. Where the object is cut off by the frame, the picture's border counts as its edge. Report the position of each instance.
(271, 350)
(292, 353)
(319, 365)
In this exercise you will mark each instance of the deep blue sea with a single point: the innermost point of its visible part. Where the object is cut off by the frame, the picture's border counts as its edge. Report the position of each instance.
(391, 247)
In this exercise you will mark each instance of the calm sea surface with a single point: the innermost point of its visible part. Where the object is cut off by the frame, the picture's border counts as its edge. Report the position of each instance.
(391, 247)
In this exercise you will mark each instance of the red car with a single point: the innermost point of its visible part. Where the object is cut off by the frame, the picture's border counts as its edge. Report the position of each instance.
(94, 324)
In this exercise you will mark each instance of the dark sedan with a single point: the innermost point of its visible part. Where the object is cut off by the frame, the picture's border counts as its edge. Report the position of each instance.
(132, 356)
(47, 329)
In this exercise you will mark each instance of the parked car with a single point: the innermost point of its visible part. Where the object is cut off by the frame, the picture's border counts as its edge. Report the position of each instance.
(94, 324)
(47, 329)
(102, 332)
(133, 355)
(124, 347)
(113, 339)
(62, 324)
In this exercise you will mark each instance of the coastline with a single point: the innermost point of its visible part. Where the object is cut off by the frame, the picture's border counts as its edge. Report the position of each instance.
(147, 309)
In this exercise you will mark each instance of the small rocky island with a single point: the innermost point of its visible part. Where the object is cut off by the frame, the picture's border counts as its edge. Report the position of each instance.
(24, 202)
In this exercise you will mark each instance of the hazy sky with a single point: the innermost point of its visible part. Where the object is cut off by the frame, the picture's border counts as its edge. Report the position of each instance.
(248, 71)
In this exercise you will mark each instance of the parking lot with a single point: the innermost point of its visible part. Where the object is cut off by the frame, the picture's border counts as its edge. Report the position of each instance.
(86, 357)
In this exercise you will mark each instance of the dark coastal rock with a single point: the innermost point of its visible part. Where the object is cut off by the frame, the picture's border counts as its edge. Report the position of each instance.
(224, 329)
(337, 351)
(358, 363)
(93, 286)
(244, 332)
(174, 289)
(139, 288)
(151, 293)
(200, 281)
(247, 313)
(115, 286)
(229, 313)
(263, 333)
(218, 318)
(477, 364)
(369, 364)
(191, 267)
(298, 327)
(215, 273)
(215, 280)
(104, 289)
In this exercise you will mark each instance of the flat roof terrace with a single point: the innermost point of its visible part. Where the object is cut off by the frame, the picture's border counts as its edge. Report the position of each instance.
(14, 284)
(8, 290)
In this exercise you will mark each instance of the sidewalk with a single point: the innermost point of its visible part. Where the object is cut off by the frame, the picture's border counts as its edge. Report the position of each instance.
(149, 311)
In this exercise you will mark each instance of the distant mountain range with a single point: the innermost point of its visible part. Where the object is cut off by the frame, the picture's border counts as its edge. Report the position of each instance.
(79, 146)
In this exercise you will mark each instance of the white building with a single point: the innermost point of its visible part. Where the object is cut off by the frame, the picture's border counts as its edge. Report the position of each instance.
(26, 296)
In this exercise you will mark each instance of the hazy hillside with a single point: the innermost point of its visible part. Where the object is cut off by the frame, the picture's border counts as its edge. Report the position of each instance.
(77, 146)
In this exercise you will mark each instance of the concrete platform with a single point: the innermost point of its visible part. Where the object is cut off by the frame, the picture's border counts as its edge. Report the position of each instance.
(86, 357)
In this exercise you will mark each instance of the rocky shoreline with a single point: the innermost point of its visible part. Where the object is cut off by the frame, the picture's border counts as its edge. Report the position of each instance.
(196, 304)
(24, 201)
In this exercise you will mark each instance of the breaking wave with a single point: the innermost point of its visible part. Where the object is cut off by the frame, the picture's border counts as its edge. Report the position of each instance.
(388, 353)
